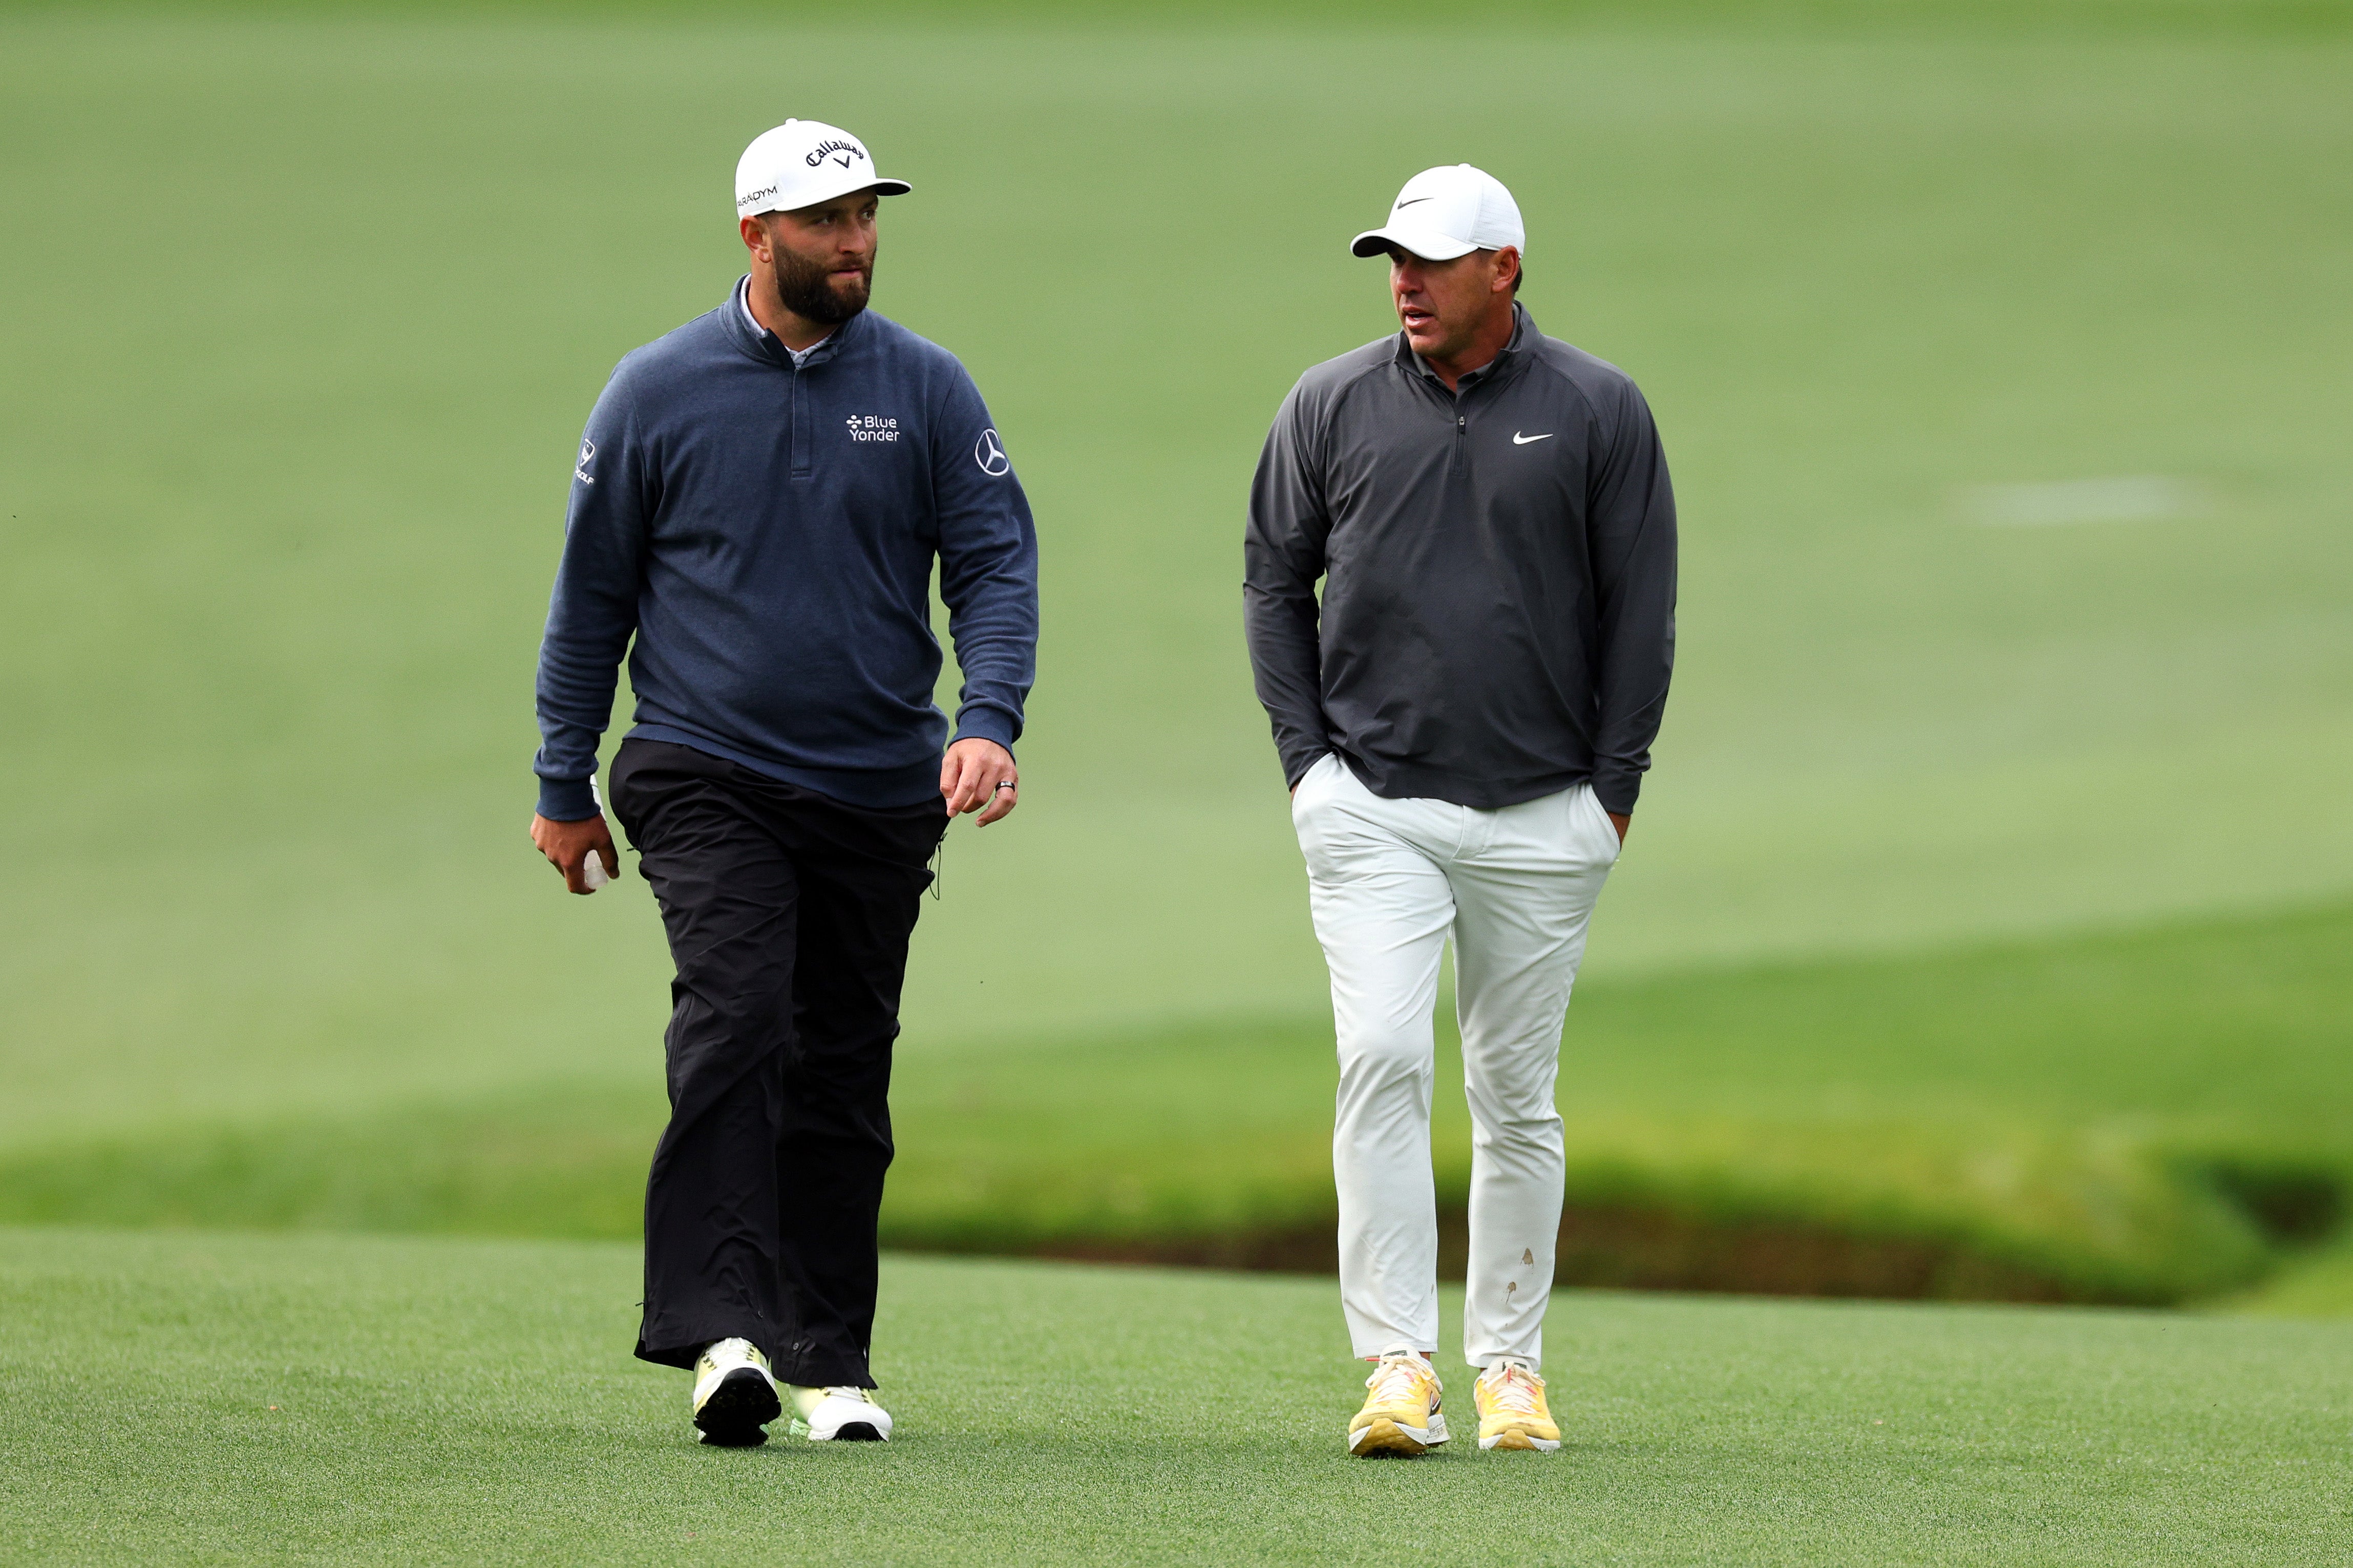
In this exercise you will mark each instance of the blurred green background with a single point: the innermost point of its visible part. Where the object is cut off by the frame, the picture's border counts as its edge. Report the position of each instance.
(1985, 927)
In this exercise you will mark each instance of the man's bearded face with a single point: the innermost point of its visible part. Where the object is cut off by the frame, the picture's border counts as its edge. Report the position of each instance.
(822, 291)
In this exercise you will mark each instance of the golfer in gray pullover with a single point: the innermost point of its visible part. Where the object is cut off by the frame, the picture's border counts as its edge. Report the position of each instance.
(1464, 721)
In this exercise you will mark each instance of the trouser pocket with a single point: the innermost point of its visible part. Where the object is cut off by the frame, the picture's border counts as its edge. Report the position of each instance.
(1606, 830)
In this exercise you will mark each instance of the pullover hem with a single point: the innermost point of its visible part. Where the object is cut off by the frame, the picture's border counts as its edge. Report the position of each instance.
(876, 789)
(1397, 781)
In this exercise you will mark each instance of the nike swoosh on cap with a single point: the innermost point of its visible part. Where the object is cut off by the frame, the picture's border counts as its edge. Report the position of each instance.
(1402, 206)
(1520, 440)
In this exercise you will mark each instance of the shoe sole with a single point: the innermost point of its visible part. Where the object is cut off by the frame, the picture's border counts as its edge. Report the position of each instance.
(1515, 1440)
(743, 1404)
(749, 1439)
(1386, 1438)
(851, 1432)
(848, 1432)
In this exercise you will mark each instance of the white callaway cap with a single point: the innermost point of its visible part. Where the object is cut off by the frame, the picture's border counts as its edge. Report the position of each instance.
(802, 162)
(1445, 213)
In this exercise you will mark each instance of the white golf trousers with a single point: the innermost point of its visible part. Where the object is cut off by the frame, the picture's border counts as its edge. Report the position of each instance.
(1390, 880)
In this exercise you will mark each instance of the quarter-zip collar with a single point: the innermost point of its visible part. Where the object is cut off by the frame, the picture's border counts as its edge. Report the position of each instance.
(1505, 364)
(762, 343)
(743, 303)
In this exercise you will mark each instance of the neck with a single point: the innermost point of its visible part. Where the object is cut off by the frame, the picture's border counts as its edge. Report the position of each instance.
(792, 328)
(1481, 349)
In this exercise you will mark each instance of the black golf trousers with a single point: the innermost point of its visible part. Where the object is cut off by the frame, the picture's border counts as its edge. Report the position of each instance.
(789, 915)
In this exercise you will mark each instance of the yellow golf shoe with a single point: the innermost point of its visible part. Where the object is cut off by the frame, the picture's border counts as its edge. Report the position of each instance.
(1400, 1414)
(1512, 1413)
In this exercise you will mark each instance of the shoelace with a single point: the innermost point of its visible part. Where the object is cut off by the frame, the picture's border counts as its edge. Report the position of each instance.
(1514, 1391)
(742, 1353)
(1394, 1378)
(860, 1394)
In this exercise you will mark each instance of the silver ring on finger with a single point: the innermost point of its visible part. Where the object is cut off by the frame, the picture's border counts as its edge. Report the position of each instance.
(1005, 784)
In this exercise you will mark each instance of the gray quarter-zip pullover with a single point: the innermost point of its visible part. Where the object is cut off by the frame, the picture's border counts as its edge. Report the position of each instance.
(1497, 620)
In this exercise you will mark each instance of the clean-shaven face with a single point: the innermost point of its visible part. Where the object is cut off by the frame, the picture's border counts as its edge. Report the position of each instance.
(1442, 304)
(825, 256)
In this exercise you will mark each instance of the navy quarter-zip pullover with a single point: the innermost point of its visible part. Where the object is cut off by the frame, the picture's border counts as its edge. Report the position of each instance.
(1498, 614)
(765, 532)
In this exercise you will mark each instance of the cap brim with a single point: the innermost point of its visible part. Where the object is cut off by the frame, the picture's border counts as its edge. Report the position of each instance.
(880, 187)
(1429, 247)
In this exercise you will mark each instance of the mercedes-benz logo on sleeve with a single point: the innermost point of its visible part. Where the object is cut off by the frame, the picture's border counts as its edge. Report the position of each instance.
(989, 453)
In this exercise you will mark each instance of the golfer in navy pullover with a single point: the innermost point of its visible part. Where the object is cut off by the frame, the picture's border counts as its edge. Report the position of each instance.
(756, 506)
(766, 533)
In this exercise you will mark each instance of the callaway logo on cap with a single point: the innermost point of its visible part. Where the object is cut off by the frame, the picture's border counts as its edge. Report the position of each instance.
(1445, 213)
(802, 162)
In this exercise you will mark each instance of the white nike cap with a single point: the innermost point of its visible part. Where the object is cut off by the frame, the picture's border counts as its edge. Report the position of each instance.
(1445, 213)
(802, 162)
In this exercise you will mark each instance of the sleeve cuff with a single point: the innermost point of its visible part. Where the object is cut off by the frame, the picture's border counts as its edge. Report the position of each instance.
(567, 800)
(986, 724)
(1617, 793)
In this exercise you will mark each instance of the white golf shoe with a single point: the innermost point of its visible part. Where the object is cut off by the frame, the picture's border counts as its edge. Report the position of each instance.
(838, 1415)
(734, 1396)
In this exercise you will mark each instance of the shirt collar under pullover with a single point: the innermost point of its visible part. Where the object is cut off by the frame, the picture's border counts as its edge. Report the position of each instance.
(743, 303)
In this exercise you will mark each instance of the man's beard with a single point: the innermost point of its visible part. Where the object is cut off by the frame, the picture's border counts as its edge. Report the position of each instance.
(807, 290)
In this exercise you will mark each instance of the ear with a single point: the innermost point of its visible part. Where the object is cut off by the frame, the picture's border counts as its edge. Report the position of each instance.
(1507, 267)
(755, 237)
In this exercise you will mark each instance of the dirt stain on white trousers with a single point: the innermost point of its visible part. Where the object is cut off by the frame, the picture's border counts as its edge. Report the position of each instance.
(1390, 881)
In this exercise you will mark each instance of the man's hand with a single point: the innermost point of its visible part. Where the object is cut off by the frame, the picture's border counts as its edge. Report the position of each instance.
(980, 776)
(1620, 823)
(568, 844)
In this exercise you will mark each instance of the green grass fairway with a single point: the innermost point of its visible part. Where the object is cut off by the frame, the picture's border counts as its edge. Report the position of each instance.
(1990, 899)
(281, 492)
(216, 1398)
(1987, 913)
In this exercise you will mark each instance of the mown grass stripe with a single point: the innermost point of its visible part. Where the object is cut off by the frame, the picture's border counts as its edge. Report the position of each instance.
(205, 1397)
